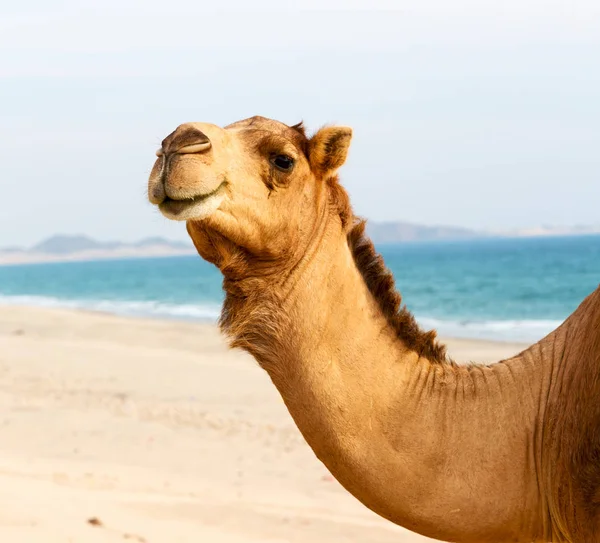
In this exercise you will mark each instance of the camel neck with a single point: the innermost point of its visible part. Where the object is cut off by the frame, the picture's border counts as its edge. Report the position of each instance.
(396, 430)
(330, 315)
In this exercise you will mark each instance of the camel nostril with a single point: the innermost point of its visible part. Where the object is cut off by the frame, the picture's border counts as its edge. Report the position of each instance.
(186, 140)
(194, 148)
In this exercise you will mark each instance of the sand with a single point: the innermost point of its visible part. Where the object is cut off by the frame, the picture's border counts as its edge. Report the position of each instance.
(116, 429)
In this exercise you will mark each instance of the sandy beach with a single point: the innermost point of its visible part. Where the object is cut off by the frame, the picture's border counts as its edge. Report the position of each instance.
(117, 429)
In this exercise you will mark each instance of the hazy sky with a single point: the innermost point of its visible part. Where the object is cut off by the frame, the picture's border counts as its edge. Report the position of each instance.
(474, 113)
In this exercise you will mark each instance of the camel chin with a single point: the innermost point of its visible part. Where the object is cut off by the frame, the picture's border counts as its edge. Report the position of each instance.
(197, 209)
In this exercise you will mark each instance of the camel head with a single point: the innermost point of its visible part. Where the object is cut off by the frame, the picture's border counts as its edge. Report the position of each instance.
(256, 187)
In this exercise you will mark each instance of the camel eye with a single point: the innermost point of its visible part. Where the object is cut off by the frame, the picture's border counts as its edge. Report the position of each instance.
(282, 162)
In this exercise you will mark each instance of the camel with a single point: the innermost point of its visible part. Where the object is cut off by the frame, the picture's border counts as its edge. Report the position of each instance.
(457, 452)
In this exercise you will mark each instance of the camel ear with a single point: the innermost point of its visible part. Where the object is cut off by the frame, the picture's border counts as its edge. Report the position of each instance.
(328, 149)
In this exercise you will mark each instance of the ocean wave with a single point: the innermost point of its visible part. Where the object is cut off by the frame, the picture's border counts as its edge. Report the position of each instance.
(138, 308)
(499, 330)
(527, 330)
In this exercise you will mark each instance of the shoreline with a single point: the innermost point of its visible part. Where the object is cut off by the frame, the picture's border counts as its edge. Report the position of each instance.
(209, 324)
(460, 342)
(209, 314)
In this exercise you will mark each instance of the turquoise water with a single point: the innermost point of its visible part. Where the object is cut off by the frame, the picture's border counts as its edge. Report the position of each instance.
(506, 289)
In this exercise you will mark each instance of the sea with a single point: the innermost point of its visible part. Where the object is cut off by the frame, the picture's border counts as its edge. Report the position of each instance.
(497, 289)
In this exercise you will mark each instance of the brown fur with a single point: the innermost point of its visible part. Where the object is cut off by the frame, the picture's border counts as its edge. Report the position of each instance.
(572, 436)
(381, 284)
(301, 129)
(327, 150)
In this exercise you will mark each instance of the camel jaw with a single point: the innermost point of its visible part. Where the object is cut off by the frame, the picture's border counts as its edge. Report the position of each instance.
(198, 207)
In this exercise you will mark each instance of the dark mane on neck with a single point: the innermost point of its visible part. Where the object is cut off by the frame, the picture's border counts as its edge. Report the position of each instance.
(380, 282)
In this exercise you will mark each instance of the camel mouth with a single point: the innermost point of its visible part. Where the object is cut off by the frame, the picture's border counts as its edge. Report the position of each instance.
(197, 207)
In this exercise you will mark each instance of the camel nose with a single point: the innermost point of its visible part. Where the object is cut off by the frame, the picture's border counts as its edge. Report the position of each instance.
(185, 140)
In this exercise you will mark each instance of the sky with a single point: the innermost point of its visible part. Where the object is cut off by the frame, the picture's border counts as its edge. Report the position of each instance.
(467, 113)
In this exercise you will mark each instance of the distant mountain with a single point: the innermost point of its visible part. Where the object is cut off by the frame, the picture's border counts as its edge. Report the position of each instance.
(64, 245)
(64, 248)
(70, 248)
(396, 232)
(149, 242)
(550, 231)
